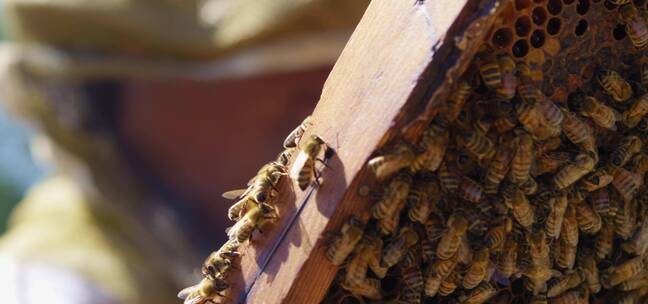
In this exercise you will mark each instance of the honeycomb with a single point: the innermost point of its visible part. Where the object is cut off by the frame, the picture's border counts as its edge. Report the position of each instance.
(563, 218)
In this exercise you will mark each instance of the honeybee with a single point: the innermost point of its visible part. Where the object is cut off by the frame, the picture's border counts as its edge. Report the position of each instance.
(507, 118)
(303, 169)
(552, 115)
(394, 196)
(413, 283)
(368, 288)
(523, 158)
(626, 219)
(220, 261)
(350, 234)
(566, 254)
(489, 69)
(456, 102)
(423, 199)
(638, 244)
(260, 191)
(507, 259)
(398, 247)
(509, 81)
(635, 25)
(296, 134)
(538, 248)
(449, 284)
(531, 118)
(634, 297)
(478, 144)
(432, 145)
(640, 164)
(522, 210)
(549, 163)
(604, 241)
(577, 131)
(627, 183)
(498, 168)
(618, 274)
(451, 238)
(255, 217)
(389, 224)
(537, 277)
(554, 222)
(428, 252)
(478, 269)
(596, 180)
(470, 190)
(628, 147)
(385, 165)
(570, 226)
(601, 201)
(588, 221)
(601, 114)
(483, 124)
(590, 273)
(564, 283)
(365, 252)
(638, 281)
(432, 283)
(496, 236)
(583, 164)
(639, 109)
(529, 92)
(577, 296)
(548, 145)
(481, 294)
(449, 177)
(204, 292)
(443, 268)
(614, 85)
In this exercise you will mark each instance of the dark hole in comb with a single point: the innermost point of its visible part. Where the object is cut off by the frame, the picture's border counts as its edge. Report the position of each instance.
(502, 37)
(568, 2)
(554, 7)
(537, 39)
(553, 26)
(581, 27)
(619, 32)
(523, 26)
(520, 48)
(582, 7)
(539, 15)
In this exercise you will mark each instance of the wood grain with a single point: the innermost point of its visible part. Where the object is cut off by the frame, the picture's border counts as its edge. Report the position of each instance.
(401, 53)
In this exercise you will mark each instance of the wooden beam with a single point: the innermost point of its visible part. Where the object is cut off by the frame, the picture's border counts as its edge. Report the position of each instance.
(388, 74)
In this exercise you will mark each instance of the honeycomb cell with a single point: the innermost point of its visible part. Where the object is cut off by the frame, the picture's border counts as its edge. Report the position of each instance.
(522, 4)
(523, 26)
(554, 7)
(582, 7)
(553, 26)
(503, 37)
(538, 1)
(520, 48)
(568, 2)
(619, 32)
(581, 28)
(537, 39)
(539, 15)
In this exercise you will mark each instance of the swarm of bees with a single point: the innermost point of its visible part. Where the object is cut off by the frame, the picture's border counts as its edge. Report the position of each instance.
(511, 195)
(255, 206)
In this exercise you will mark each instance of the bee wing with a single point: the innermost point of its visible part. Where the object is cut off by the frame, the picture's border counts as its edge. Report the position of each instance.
(186, 293)
(235, 194)
(298, 165)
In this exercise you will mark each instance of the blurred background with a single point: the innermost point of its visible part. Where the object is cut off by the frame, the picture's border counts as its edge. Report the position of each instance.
(123, 121)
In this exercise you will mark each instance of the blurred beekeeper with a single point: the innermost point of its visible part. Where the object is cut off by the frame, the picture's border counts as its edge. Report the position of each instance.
(96, 231)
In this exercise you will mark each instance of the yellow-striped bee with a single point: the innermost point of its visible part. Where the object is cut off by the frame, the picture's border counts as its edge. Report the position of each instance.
(343, 245)
(255, 217)
(398, 247)
(635, 25)
(432, 147)
(564, 283)
(456, 102)
(614, 85)
(554, 222)
(219, 262)
(385, 165)
(509, 81)
(618, 274)
(481, 294)
(303, 169)
(638, 110)
(601, 114)
(583, 164)
(451, 238)
(489, 69)
(207, 291)
(523, 158)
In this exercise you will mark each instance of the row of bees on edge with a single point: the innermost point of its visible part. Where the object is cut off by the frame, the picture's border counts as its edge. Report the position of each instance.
(508, 196)
(254, 207)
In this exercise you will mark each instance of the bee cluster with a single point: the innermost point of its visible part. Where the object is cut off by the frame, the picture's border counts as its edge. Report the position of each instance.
(254, 208)
(528, 184)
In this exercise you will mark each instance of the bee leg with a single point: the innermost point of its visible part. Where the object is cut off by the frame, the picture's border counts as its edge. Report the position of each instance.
(323, 163)
(317, 177)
